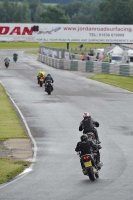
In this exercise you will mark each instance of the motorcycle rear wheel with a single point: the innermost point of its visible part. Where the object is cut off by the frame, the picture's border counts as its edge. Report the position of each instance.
(91, 174)
(49, 91)
(41, 84)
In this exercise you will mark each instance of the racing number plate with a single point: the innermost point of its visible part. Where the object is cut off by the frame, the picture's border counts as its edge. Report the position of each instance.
(41, 79)
(88, 164)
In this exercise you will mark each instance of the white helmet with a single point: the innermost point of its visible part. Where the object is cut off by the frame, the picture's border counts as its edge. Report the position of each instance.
(86, 114)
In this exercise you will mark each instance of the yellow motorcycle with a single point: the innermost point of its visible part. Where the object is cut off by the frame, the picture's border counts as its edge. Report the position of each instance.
(41, 80)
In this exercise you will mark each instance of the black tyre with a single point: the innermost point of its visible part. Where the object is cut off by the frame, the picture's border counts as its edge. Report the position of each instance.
(41, 84)
(91, 174)
(49, 91)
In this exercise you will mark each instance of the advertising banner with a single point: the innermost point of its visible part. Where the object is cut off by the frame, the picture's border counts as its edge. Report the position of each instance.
(85, 33)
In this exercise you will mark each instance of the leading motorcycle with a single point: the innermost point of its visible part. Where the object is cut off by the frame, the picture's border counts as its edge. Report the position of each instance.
(15, 58)
(41, 79)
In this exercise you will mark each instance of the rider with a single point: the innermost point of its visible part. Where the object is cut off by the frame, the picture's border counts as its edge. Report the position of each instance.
(88, 125)
(6, 60)
(15, 55)
(85, 146)
(48, 78)
(41, 72)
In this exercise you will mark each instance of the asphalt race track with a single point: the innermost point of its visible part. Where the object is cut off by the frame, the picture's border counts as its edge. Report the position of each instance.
(54, 120)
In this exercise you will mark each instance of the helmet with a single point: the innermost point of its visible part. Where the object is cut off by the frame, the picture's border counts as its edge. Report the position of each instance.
(86, 114)
(90, 134)
(84, 138)
(49, 75)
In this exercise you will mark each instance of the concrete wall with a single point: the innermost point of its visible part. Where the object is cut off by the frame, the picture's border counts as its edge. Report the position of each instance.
(87, 66)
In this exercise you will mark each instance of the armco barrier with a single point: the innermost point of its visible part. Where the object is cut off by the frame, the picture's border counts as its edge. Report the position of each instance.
(131, 71)
(114, 69)
(87, 66)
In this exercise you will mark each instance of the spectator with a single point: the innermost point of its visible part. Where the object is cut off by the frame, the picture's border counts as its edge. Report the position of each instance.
(102, 58)
(97, 56)
(88, 57)
(83, 57)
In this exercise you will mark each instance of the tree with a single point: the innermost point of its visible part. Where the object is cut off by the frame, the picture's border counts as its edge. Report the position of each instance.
(39, 11)
(94, 12)
(82, 16)
(53, 14)
(26, 13)
(33, 7)
(17, 15)
(71, 8)
(6, 9)
(116, 12)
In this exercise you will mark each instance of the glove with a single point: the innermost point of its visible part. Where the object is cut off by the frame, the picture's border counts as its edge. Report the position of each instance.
(96, 124)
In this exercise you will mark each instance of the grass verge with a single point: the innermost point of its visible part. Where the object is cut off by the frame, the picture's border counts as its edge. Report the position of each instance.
(32, 52)
(124, 82)
(9, 169)
(19, 45)
(10, 127)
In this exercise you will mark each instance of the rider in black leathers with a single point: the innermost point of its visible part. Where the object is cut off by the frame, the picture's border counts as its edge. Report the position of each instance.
(48, 78)
(88, 125)
(86, 146)
(15, 55)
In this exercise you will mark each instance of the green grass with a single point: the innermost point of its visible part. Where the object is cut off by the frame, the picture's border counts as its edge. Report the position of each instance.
(115, 80)
(10, 126)
(19, 45)
(9, 169)
(31, 52)
(80, 52)
(72, 45)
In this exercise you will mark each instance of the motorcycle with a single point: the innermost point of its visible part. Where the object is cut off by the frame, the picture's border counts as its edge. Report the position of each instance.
(41, 80)
(15, 58)
(48, 87)
(6, 64)
(90, 167)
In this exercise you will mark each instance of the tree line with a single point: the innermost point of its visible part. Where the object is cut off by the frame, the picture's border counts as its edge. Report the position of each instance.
(77, 12)
(54, 1)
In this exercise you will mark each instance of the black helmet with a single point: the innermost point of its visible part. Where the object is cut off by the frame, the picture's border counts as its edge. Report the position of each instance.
(84, 138)
(49, 75)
